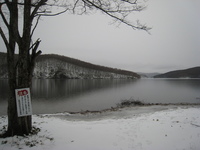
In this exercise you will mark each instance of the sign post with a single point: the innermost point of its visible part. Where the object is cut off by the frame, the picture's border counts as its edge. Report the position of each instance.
(23, 101)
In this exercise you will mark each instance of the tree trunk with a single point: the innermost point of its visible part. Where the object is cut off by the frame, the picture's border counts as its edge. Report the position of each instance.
(19, 68)
(19, 77)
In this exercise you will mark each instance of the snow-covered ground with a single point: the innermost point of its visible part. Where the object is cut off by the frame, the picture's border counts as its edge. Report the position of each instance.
(142, 128)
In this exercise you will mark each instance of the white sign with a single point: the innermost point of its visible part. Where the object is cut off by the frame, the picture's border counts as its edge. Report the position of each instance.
(23, 99)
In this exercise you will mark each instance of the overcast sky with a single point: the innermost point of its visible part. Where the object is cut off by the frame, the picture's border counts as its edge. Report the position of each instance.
(174, 42)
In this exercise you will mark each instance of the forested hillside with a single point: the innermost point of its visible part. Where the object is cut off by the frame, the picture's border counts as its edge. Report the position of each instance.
(56, 66)
(186, 73)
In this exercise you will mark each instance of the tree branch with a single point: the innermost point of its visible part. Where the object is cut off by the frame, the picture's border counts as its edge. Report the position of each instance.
(34, 47)
(35, 25)
(34, 12)
(4, 39)
(3, 17)
(45, 13)
(75, 4)
(34, 55)
(123, 12)
(13, 23)
(128, 1)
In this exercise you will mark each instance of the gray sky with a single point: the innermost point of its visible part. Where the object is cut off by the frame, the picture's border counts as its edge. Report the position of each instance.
(174, 42)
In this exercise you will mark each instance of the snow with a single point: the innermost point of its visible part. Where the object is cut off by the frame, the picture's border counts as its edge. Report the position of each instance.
(176, 128)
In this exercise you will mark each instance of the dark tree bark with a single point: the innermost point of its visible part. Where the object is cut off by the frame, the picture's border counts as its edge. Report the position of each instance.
(20, 67)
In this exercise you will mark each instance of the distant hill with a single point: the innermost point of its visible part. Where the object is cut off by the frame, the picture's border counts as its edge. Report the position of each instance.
(187, 73)
(147, 75)
(56, 66)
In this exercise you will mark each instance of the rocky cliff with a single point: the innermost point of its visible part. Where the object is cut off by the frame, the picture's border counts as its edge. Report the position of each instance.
(55, 66)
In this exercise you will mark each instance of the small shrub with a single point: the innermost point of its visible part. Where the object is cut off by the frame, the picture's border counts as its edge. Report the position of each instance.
(130, 102)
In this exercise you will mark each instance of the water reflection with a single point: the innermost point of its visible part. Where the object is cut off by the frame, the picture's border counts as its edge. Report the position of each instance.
(51, 89)
(50, 95)
(168, 90)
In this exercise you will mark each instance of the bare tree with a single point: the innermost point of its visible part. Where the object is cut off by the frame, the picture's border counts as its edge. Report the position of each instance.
(19, 21)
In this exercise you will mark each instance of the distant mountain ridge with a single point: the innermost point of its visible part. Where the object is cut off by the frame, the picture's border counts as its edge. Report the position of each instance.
(148, 75)
(186, 73)
(56, 66)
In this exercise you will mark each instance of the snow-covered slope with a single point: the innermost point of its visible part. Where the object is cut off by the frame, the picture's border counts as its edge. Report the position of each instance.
(55, 66)
(171, 129)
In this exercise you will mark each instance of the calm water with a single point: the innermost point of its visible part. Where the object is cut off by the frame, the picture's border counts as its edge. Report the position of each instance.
(50, 96)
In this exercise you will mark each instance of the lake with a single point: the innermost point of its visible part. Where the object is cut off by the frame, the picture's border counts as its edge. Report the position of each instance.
(59, 95)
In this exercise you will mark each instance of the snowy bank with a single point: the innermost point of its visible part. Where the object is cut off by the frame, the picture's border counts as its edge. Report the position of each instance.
(175, 128)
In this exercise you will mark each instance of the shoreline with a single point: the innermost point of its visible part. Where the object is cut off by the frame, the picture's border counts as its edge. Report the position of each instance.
(142, 127)
(118, 112)
(155, 106)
